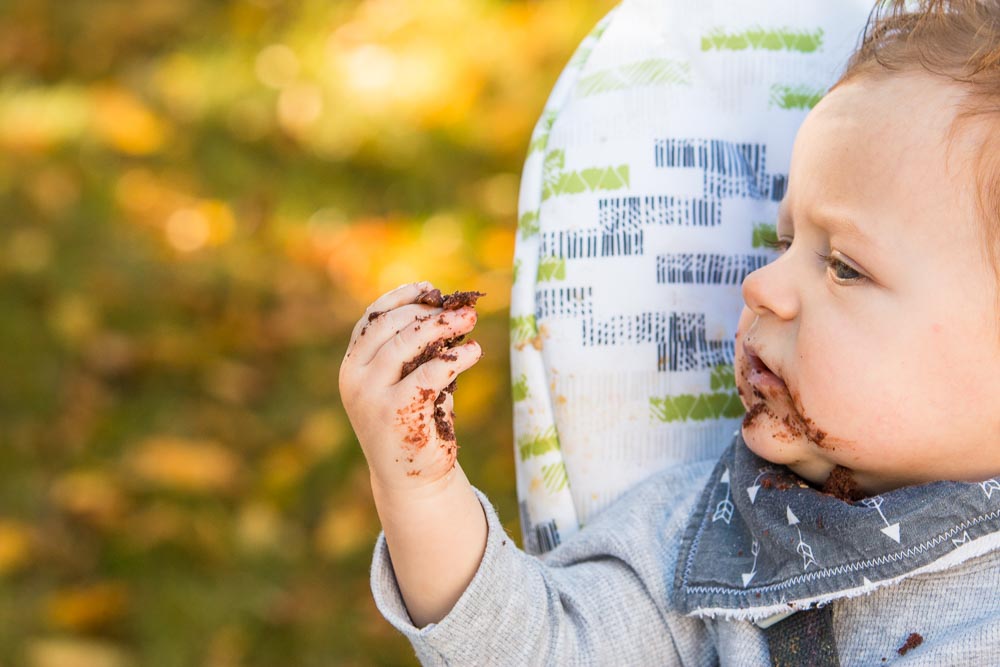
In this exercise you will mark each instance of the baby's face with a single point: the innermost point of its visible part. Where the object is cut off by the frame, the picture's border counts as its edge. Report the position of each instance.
(884, 357)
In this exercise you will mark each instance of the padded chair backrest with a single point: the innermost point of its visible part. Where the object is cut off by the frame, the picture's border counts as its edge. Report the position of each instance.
(653, 174)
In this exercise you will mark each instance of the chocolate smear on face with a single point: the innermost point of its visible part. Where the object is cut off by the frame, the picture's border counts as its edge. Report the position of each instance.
(840, 484)
(814, 434)
(752, 414)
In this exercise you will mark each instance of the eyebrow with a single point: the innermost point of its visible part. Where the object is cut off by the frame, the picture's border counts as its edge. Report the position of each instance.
(830, 220)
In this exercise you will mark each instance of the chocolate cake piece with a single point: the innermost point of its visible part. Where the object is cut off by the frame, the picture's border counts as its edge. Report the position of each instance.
(461, 299)
(840, 484)
(452, 301)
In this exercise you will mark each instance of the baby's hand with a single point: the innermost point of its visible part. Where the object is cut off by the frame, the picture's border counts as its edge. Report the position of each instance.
(396, 382)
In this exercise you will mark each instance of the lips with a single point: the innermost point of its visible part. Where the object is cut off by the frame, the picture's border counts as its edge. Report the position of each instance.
(759, 375)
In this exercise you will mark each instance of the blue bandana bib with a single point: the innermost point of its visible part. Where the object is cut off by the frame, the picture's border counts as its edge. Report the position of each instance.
(761, 541)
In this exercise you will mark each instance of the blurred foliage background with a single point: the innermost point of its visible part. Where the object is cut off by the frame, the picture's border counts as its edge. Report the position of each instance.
(199, 198)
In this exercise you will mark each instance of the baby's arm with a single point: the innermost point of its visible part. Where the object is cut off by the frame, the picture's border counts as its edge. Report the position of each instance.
(433, 522)
(601, 598)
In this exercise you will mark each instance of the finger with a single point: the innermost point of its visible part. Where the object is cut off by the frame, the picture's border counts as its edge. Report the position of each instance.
(401, 296)
(418, 343)
(388, 324)
(438, 373)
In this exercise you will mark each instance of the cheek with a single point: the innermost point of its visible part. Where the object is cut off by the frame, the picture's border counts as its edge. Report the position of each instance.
(841, 385)
(860, 392)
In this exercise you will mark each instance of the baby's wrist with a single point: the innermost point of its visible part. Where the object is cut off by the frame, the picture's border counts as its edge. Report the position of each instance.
(408, 492)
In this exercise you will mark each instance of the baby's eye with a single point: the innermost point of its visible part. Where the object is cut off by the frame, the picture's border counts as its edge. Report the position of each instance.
(841, 272)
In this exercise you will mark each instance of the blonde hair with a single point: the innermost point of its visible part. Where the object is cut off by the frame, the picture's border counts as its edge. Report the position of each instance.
(959, 41)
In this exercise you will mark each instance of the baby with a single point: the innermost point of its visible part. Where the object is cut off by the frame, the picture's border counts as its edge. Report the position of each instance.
(855, 520)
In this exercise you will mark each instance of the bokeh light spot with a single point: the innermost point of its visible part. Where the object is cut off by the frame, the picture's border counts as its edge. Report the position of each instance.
(125, 123)
(73, 652)
(371, 69)
(442, 234)
(29, 250)
(187, 230)
(73, 318)
(276, 66)
(498, 195)
(299, 106)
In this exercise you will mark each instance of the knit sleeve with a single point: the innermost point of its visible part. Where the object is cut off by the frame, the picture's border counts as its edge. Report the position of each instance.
(600, 599)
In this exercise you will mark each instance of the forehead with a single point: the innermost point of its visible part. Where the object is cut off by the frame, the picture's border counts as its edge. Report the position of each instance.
(882, 147)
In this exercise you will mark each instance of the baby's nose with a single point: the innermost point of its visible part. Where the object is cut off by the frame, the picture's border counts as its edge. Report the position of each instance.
(772, 289)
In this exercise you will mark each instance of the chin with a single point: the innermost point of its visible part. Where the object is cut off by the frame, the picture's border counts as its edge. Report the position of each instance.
(766, 436)
(759, 434)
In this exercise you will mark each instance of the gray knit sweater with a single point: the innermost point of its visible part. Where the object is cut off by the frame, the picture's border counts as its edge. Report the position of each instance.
(605, 598)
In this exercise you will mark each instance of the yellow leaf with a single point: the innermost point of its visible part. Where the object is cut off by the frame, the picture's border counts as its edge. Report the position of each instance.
(15, 545)
(125, 123)
(282, 468)
(322, 432)
(186, 465)
(58, 652)
(90, 493)
(73, 317)
(259, 527)
(29, 250)
(156, 525)
(343, 530)
(87, 607)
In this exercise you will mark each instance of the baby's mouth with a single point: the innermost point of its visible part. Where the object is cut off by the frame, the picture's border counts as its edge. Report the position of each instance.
(760, 377)
(772, 396)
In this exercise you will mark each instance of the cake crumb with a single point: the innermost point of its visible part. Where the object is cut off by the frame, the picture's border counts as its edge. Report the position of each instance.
(913, 641)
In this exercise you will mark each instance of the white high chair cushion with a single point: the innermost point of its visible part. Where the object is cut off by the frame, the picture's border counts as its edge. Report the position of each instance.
(654, 171)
